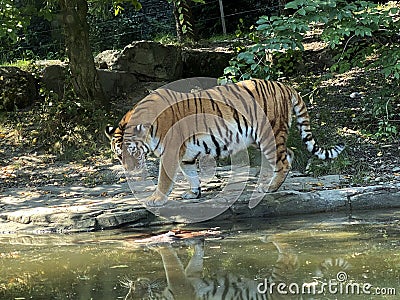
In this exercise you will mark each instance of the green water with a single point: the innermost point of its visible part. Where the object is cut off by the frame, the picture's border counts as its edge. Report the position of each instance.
(295, 251)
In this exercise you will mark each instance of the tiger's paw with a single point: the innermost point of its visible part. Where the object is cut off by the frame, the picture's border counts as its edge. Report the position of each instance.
(192, 194)
(262, 188)
(266, 188)
(156, 200)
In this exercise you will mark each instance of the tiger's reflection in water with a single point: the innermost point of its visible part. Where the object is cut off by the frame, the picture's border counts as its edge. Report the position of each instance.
(188, 283)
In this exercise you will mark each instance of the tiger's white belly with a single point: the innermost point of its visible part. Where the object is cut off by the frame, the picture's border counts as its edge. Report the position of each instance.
(218, 147)
(217, 143)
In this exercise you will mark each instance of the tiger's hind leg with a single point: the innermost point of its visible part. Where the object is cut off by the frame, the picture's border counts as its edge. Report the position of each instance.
(276, 159)
(275, 164)
(189, 169)
(281, 170)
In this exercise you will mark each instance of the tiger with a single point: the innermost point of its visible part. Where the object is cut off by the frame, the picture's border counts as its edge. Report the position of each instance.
(180, 128)
(188, 282)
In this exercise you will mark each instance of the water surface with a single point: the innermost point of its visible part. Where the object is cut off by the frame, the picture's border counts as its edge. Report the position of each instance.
(311, 257)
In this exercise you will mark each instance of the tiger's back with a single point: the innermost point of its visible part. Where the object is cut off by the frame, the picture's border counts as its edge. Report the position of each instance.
(182, 127)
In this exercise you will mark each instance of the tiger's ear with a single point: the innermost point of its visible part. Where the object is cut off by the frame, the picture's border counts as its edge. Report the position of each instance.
(109, 131)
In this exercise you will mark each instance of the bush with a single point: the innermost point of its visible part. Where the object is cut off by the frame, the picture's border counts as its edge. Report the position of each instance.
(357, 29)
(18, 88)
(67, 128)
(359, 33)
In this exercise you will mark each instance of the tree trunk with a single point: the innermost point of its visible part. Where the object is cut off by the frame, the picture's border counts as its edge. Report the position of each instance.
(81, 61)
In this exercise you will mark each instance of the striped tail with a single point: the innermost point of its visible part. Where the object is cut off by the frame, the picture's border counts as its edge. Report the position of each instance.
(303, 124)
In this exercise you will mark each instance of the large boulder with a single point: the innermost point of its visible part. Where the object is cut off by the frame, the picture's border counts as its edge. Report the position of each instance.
(116, 83)
(53, 78)
(205, 62)
(18, 88)
(108, 59)
(147, 60)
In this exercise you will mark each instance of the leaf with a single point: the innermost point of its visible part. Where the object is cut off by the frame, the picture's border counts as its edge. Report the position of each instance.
(254, 66)
(263, 27)
(302, 12)
(117, 10)
(292, 5)
(247, 57)
(310, 7)
(263, 20)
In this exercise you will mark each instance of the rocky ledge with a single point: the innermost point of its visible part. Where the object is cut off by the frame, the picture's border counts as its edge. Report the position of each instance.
(77, 208)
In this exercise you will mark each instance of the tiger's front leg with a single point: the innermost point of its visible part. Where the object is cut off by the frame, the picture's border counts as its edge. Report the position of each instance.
(189, 169)
(166, 176)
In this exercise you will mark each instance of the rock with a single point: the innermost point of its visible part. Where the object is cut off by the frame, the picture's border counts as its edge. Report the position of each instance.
(205, 62)
(287, 203)
(151, 61)
(116, 83)
(118, 218)
(147, 60)
(53, 78)
(18, 88)
(107, 59)
(48, 209)
(375, 197)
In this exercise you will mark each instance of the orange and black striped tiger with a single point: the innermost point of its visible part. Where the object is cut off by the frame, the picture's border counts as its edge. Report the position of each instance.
(182, 127)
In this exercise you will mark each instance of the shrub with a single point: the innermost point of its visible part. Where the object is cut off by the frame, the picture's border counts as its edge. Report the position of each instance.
(357, 29)
(359, 33)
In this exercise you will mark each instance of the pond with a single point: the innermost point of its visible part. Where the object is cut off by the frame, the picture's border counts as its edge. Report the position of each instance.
(327, 256)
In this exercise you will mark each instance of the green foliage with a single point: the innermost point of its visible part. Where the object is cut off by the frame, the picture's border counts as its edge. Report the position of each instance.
(22, 64)
(74, 133)
(184, 20)
(42, 36)
(361, 33)
(339, 165)
(381, 116)
(166, 39)
(64, 126)
(11, 19)
(14, 20)
(117, 4)
(357, 29)
(272, 36)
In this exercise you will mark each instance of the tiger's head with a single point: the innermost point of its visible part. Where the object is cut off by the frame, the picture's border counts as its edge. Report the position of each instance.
(129, 145)
(115, 135)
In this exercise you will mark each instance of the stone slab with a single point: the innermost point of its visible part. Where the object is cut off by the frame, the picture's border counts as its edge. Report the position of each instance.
(77, 209)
